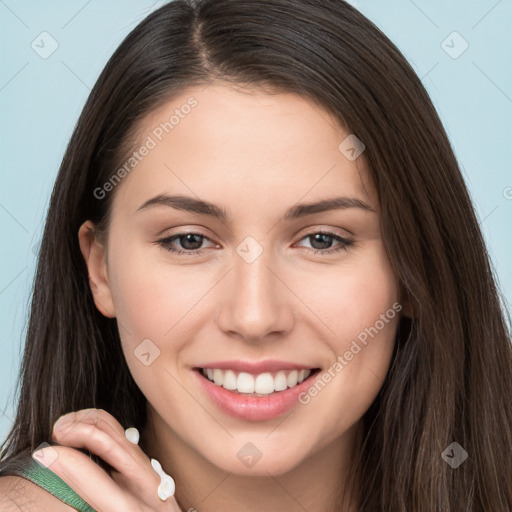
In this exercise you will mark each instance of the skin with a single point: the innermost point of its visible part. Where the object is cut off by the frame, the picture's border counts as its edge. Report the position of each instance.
(256, 155)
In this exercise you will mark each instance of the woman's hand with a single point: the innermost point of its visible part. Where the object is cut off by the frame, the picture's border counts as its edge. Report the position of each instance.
(131, 487)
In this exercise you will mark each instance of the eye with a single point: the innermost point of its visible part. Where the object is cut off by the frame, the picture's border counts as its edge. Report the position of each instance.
(324, 238)
(189, 241)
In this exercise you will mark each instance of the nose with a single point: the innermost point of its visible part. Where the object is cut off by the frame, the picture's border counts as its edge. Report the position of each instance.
(256, 303)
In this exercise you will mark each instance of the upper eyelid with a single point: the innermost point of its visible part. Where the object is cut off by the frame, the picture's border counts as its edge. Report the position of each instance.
(325, 231)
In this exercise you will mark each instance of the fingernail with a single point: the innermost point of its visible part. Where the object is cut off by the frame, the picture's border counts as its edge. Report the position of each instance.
(45, 455)
(40, 457)
(132, 434)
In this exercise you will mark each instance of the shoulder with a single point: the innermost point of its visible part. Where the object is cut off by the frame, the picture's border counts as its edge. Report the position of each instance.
(17, 494)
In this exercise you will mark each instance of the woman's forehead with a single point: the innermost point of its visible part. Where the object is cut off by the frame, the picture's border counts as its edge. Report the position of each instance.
(251, 143)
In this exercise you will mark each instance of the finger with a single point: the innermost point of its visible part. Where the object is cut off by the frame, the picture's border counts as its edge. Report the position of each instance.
(103, 421)
(134, 472)
(85, 477)
(97, 416)
(123, 456)
(100, 433)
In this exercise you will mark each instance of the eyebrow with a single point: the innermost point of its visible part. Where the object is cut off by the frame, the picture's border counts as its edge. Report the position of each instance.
(193, 205)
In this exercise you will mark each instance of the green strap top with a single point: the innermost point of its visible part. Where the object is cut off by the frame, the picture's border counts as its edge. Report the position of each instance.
(48, 480)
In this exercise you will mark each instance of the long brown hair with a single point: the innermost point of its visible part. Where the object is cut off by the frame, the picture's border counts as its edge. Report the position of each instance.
(450, 378)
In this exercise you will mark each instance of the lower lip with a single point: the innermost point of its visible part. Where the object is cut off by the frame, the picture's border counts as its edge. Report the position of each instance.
(252, 408)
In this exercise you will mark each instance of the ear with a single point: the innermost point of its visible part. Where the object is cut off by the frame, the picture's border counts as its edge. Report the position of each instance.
(95, 257)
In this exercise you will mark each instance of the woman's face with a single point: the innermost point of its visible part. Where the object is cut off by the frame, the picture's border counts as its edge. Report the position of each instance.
(257, 283)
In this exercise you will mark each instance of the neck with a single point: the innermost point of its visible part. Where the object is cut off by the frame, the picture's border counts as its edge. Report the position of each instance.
(324, 480)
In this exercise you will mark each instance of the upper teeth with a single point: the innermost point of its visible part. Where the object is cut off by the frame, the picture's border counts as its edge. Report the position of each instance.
(264, 383)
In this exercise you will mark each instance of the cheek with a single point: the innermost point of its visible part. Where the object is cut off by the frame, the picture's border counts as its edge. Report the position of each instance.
(151, 296)
(368, 326)
(350, 297)
(362, 312)
(151, 303)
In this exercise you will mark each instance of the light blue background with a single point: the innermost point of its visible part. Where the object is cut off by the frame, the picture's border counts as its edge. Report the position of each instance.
(40, 100)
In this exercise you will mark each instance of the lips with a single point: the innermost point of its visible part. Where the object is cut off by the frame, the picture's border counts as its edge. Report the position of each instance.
(235, 382)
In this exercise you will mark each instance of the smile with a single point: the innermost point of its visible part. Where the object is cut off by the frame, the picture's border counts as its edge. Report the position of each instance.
(262, 384)
(255, 391)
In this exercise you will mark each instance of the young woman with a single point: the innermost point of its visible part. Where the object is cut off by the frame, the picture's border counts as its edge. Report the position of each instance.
(262, 281)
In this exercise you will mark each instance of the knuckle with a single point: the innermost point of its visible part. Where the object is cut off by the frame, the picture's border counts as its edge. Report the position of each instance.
(89, 429)
(103, 441)
(85, 413)
(102, 415)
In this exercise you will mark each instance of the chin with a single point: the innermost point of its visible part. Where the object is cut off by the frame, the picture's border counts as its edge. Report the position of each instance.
(258, 457)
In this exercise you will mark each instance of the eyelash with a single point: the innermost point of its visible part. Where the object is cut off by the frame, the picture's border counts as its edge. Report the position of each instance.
(166, 243)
